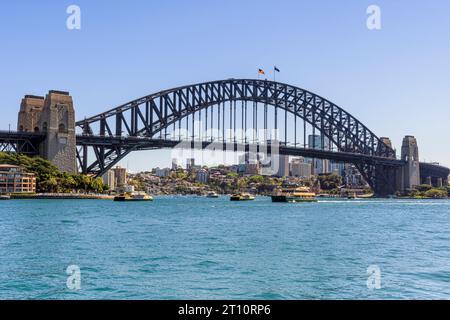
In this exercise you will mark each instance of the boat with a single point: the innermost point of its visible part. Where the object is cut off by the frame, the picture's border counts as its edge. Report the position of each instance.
(366, 196)
(352, 196)
(133, 196)
(294, 194)
(242, 197)
(5, 197)
(212, 194)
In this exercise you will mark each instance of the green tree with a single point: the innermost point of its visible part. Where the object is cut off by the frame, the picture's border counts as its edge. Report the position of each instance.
(256, 179)
(436, 194)
(330, 181)
(423, 187)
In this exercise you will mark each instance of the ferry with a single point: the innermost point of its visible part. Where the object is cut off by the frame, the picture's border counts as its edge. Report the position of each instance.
(133, 196)
(294, 194)
(212, 195)
(4, 197)
(242, 197)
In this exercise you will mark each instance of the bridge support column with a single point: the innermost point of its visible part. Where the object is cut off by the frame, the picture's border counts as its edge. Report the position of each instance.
(439, 183)
(411, 170)
(54, 116)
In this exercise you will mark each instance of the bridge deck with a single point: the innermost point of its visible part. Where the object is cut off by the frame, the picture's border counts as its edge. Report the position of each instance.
(140, 143)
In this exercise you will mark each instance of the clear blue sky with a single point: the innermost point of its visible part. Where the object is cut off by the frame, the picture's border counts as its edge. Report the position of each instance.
(395, 80)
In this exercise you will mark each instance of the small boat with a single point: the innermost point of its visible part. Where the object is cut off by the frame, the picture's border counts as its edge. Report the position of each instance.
(242, 197)
(352, 196)
(5, 197)
(366, 196)
(294, 194)
(212, 195)
(133, 196)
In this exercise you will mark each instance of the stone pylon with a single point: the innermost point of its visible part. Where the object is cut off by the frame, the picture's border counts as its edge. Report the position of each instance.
(55, 116)
(411, 170)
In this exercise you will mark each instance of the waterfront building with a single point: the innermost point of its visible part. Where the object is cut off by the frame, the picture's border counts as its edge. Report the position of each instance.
(300, 168)
(202, 176)
(109, 179)
(14, 179)
(120, 175)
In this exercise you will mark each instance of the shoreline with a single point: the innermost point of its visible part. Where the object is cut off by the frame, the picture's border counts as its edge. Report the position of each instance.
(60, 196)
(68, 196)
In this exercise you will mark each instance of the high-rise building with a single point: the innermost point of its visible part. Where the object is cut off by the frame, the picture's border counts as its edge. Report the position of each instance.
(319, 166)
(300, 168)
(174, 164)
(109, 179)
(190, 163)
(337, 168)
(282, 162)
(120, 175)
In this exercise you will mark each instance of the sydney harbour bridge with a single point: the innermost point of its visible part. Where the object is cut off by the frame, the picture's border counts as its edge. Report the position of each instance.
(217, 115)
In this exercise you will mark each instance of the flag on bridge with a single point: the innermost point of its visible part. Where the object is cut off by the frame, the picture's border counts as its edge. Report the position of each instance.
(276, 69)
(261, 71)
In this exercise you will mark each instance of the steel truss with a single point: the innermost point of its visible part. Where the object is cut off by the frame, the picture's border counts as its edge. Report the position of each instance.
(152, 115)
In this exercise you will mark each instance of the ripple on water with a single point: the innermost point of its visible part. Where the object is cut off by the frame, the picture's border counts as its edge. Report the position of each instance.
(190, 247)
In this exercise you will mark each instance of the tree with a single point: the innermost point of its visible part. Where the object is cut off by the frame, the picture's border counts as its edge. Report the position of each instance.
(423, 187)
(232, 175)
(330, 181)
(256, 179)
(436, 194)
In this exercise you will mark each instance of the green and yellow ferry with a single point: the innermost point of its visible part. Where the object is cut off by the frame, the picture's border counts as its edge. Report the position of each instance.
(294, 194)
(133, 196)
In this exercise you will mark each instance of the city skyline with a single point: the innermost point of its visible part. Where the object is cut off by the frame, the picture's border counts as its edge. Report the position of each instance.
(385, 78)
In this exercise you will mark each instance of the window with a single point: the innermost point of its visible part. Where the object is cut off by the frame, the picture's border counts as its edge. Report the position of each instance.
(62, 128)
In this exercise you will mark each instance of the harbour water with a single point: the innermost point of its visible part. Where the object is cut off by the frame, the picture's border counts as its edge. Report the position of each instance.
(202, 248)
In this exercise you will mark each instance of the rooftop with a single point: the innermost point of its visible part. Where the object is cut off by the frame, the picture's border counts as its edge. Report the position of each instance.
(9, 166)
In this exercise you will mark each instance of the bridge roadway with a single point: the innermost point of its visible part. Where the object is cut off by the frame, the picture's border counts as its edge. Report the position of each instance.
(27, 143)
(143, 143)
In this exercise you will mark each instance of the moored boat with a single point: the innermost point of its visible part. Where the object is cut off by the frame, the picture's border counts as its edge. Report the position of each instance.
(294, 194)
(133, 196)
(5, 197)
(242, 197)
(212, 194)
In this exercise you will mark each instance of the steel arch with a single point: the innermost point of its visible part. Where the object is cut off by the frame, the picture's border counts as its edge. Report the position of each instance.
(153, 113)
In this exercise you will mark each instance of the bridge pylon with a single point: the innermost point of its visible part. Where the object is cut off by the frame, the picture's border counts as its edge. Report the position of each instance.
(53, 115)
(408, 176)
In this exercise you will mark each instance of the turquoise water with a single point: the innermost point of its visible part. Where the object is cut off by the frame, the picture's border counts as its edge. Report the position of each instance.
(199, 248)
